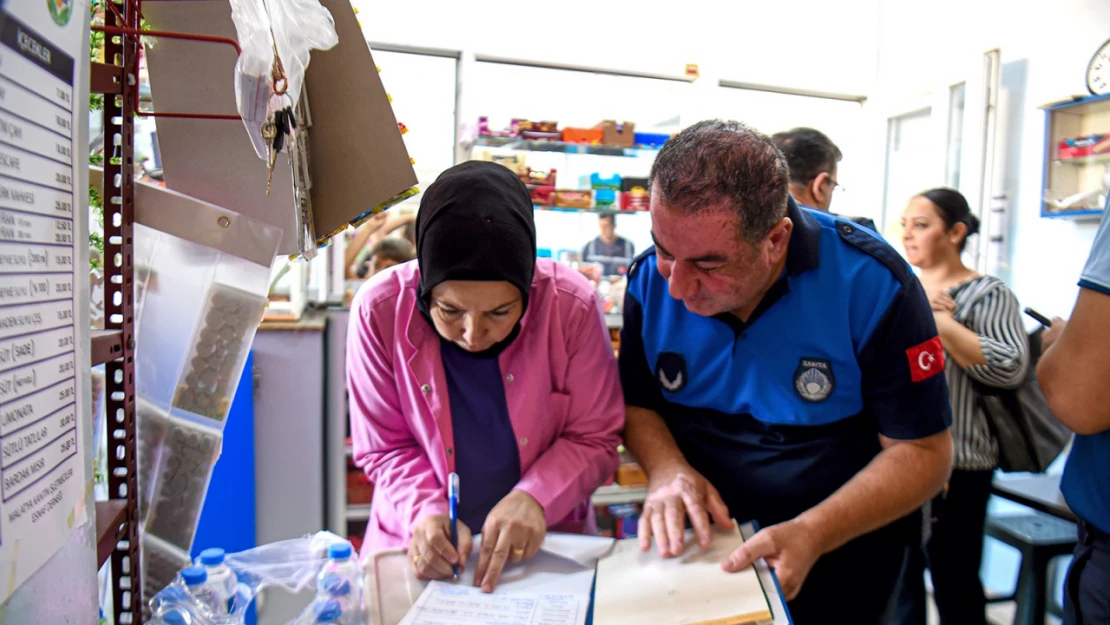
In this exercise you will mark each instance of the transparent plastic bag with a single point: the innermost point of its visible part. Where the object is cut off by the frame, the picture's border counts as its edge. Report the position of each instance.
(289, 564)
(252, 70)
(292, 28)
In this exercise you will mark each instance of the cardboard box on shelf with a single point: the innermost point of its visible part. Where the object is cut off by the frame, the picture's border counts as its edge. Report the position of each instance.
(1080, 147)
(618, 135)
(634, 201)
(574, 199)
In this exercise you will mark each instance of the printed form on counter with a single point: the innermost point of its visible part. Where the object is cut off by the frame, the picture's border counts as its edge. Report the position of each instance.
(43, 416)
(445, 603)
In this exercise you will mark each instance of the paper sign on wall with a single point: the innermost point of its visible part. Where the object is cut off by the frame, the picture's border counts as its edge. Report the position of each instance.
(42, 416)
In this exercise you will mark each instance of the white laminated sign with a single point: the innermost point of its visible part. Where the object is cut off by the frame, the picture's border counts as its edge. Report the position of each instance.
(43, 414)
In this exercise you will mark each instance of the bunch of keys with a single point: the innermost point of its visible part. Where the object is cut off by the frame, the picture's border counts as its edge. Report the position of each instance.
(278, 126)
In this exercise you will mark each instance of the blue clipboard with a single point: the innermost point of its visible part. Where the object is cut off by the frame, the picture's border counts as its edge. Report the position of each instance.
(779, 610)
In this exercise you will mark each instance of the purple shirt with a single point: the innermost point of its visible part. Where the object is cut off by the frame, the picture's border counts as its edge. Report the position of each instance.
(486, 455)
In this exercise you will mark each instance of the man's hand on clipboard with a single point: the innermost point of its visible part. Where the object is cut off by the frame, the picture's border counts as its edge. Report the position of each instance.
(790, 549)
(675, 493)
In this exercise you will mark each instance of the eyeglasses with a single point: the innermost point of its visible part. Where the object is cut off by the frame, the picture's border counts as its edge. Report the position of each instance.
(835, 184)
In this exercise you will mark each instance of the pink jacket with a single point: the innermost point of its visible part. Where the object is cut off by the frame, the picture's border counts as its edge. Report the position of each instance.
(561, 385)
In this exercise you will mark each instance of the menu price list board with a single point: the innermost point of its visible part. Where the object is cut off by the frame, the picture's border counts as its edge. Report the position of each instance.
(42, 416)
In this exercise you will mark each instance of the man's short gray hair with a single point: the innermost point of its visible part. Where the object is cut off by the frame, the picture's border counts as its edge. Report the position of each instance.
(717, 160)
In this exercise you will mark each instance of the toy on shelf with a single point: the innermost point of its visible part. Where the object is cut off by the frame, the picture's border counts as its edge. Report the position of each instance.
(520, 126)
(533, 177)
(544, 195)
(605, 198)
(597, 181)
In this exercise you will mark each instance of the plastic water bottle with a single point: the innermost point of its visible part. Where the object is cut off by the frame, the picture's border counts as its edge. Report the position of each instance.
(328, 612)
(223, 582)
(197, 585)
(338, 580)
(176, 616)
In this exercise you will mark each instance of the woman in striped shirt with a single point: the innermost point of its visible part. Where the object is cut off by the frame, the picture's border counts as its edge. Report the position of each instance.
(980, 325)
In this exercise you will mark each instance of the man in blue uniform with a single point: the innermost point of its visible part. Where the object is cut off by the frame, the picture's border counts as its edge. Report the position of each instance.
(782, 365)
(1072, 374)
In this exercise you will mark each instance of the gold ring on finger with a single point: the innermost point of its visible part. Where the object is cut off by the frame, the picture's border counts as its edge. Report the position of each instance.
(518, 552)
(416, 558)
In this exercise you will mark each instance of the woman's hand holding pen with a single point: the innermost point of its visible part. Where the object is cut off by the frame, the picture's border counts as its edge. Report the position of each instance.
(514, 531)
(430, 550)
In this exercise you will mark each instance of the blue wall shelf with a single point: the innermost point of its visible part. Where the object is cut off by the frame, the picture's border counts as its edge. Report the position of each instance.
(1086, 119)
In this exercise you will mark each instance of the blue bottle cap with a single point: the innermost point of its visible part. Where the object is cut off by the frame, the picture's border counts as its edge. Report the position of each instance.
(335, 585)
(194, 575)
(327, 611)
(212, 557)
(176, 617)
(338, 551)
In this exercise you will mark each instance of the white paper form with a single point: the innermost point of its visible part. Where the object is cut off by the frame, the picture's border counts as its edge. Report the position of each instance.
(551, 589)
(446, 603)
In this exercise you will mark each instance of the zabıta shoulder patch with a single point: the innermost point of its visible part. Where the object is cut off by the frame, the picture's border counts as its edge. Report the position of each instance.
(814, 380)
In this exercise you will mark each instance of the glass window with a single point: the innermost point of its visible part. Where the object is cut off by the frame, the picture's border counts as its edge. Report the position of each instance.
(423, 92)
(956, 99)
(909, 155)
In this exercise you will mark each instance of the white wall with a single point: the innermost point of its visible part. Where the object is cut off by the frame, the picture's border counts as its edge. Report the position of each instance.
(797, 43)
(1045, 49)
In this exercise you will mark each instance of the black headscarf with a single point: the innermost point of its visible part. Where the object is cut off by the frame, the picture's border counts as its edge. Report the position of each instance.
(476, 223)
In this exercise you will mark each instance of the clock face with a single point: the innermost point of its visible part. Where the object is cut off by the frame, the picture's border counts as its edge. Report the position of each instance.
(1098, 71)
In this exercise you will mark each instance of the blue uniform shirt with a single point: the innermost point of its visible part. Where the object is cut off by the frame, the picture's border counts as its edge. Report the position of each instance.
(779, 412)
(487, 458)
(1085, 484)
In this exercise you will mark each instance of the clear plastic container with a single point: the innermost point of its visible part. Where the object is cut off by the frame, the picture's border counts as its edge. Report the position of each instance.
(161, 562)
(339, 581)
(200, 587)
(221, 579)
(200, 307)
(186, 458)
(328, 612)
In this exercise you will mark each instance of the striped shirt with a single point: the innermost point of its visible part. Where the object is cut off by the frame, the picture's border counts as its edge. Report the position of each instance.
(987, 307)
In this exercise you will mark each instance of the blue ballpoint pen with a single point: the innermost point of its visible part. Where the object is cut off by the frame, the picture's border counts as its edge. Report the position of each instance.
(453, 501)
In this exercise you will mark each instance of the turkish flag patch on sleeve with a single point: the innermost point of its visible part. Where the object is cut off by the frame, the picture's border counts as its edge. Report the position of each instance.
(926, 360)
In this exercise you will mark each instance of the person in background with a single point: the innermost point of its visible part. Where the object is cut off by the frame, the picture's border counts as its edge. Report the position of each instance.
(376, 228)
(480, 359)
(813, 159)
(612, 252)
(1073, 373)
(780, 365)
(386, 253)
(985, 343)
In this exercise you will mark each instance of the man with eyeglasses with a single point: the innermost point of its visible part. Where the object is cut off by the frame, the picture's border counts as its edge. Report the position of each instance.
(812, 158)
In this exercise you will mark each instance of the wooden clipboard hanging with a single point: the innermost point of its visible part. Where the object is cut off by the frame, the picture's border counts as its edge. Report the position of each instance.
(358, 161)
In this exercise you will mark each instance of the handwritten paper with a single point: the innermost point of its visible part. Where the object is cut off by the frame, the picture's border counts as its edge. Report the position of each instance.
(444, 603)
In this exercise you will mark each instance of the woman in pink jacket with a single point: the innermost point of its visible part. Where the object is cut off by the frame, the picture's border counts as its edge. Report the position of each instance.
(480, 359)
